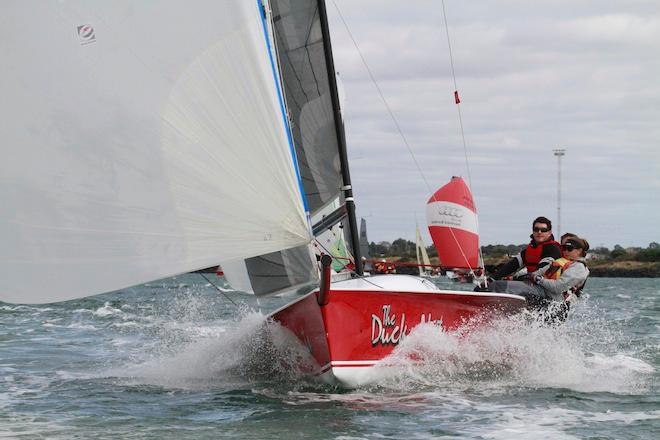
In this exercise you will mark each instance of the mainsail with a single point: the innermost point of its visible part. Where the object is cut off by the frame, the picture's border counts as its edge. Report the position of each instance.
(452, 221)
(145, 140)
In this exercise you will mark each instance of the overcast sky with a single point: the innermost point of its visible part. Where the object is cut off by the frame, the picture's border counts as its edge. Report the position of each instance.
(532, 76)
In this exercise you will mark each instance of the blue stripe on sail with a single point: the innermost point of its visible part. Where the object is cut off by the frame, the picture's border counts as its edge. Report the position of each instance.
(279, 95)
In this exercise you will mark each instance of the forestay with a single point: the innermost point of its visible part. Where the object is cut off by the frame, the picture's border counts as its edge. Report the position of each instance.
(139, 140)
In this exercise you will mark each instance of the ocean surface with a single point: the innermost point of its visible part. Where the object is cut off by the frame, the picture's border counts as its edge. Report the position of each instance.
(178, 359)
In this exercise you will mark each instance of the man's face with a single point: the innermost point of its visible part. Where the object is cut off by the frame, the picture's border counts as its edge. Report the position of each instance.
(541, 232)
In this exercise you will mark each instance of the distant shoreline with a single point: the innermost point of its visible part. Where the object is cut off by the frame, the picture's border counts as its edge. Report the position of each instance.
(618, 269)
(625, 269)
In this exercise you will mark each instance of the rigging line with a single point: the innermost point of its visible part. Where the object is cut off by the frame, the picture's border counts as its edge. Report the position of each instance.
(218, 289)
(396, 124)
(354, 273)
(334, 235)
(460, 116)
(458, 104)
(336, 257)
(382, 97)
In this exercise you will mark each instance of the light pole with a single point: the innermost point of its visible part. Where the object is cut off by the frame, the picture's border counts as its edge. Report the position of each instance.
(559, 152)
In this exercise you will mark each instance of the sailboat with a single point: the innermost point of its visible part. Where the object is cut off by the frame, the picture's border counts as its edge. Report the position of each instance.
(141, 141)
(423, 261)
(364, 247)
(452, 222)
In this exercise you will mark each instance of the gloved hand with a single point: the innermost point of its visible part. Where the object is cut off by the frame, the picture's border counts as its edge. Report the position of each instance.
(537, 279)
(484, 286)
(527, 278)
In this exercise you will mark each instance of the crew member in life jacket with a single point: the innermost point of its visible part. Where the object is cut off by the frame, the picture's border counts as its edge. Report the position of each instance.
(541, 251)
(558, 281)
(577, 291)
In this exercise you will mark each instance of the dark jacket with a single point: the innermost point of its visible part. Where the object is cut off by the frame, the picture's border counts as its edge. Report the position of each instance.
(550, 251)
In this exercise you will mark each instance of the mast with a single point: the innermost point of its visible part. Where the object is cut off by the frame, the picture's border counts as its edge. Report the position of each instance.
(559, 152)
(341, 137)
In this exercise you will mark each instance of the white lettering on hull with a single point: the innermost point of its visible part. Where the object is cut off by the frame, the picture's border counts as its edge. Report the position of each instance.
(386, 331)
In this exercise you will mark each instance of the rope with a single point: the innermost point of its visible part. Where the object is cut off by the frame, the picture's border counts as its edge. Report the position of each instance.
(458, 103)
(218, 289)
(460, 119)
(382, 97)
(398, 128)
(344, 266)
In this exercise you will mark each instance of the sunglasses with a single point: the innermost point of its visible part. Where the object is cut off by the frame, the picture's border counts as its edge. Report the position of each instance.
(568, 247)
(540, 229)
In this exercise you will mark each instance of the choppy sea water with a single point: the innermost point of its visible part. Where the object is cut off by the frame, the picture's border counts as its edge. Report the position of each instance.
(177, 359)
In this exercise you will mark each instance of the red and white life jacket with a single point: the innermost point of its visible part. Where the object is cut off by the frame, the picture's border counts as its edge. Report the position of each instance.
(533, 254)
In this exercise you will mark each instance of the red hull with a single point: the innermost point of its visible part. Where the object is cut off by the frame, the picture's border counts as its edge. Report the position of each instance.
(357, 328)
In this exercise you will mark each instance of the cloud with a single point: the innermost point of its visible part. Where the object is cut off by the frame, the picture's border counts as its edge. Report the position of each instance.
(532, 77)
(618, 29)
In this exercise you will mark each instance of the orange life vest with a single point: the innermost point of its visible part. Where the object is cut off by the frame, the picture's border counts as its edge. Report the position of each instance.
(557, 267)
(554, 273)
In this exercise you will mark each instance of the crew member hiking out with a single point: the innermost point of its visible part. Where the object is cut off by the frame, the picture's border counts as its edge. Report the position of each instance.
(556, 283)
(541, 251)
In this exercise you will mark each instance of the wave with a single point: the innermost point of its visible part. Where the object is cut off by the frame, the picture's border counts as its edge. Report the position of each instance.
(183, 343)
(519, 352)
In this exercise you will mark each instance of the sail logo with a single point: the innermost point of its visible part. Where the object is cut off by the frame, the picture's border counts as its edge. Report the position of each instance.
(86, 34)
(447, 216)
(451, 215)
(385, 330)
(444, 210)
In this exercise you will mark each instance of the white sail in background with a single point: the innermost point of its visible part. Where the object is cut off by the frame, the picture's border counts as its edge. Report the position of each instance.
(422, 256)
(138, 141)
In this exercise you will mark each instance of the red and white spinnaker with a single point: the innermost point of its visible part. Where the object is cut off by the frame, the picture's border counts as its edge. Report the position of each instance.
(452, 220)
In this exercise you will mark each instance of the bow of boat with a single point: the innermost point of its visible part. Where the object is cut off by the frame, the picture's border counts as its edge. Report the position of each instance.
(364, 319)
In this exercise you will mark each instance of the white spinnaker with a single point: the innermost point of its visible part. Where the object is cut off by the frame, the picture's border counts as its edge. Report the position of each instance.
(155, 148)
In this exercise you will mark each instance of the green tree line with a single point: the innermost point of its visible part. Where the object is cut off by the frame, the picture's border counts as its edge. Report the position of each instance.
(405, 249)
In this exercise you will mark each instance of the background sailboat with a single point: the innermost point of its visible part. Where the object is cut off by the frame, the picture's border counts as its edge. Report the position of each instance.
(452, 221)
(423, 261)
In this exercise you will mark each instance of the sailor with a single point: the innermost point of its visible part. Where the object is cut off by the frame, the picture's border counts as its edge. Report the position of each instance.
(557, 282)
(379, 267)
(577, 291)
(541, 251)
